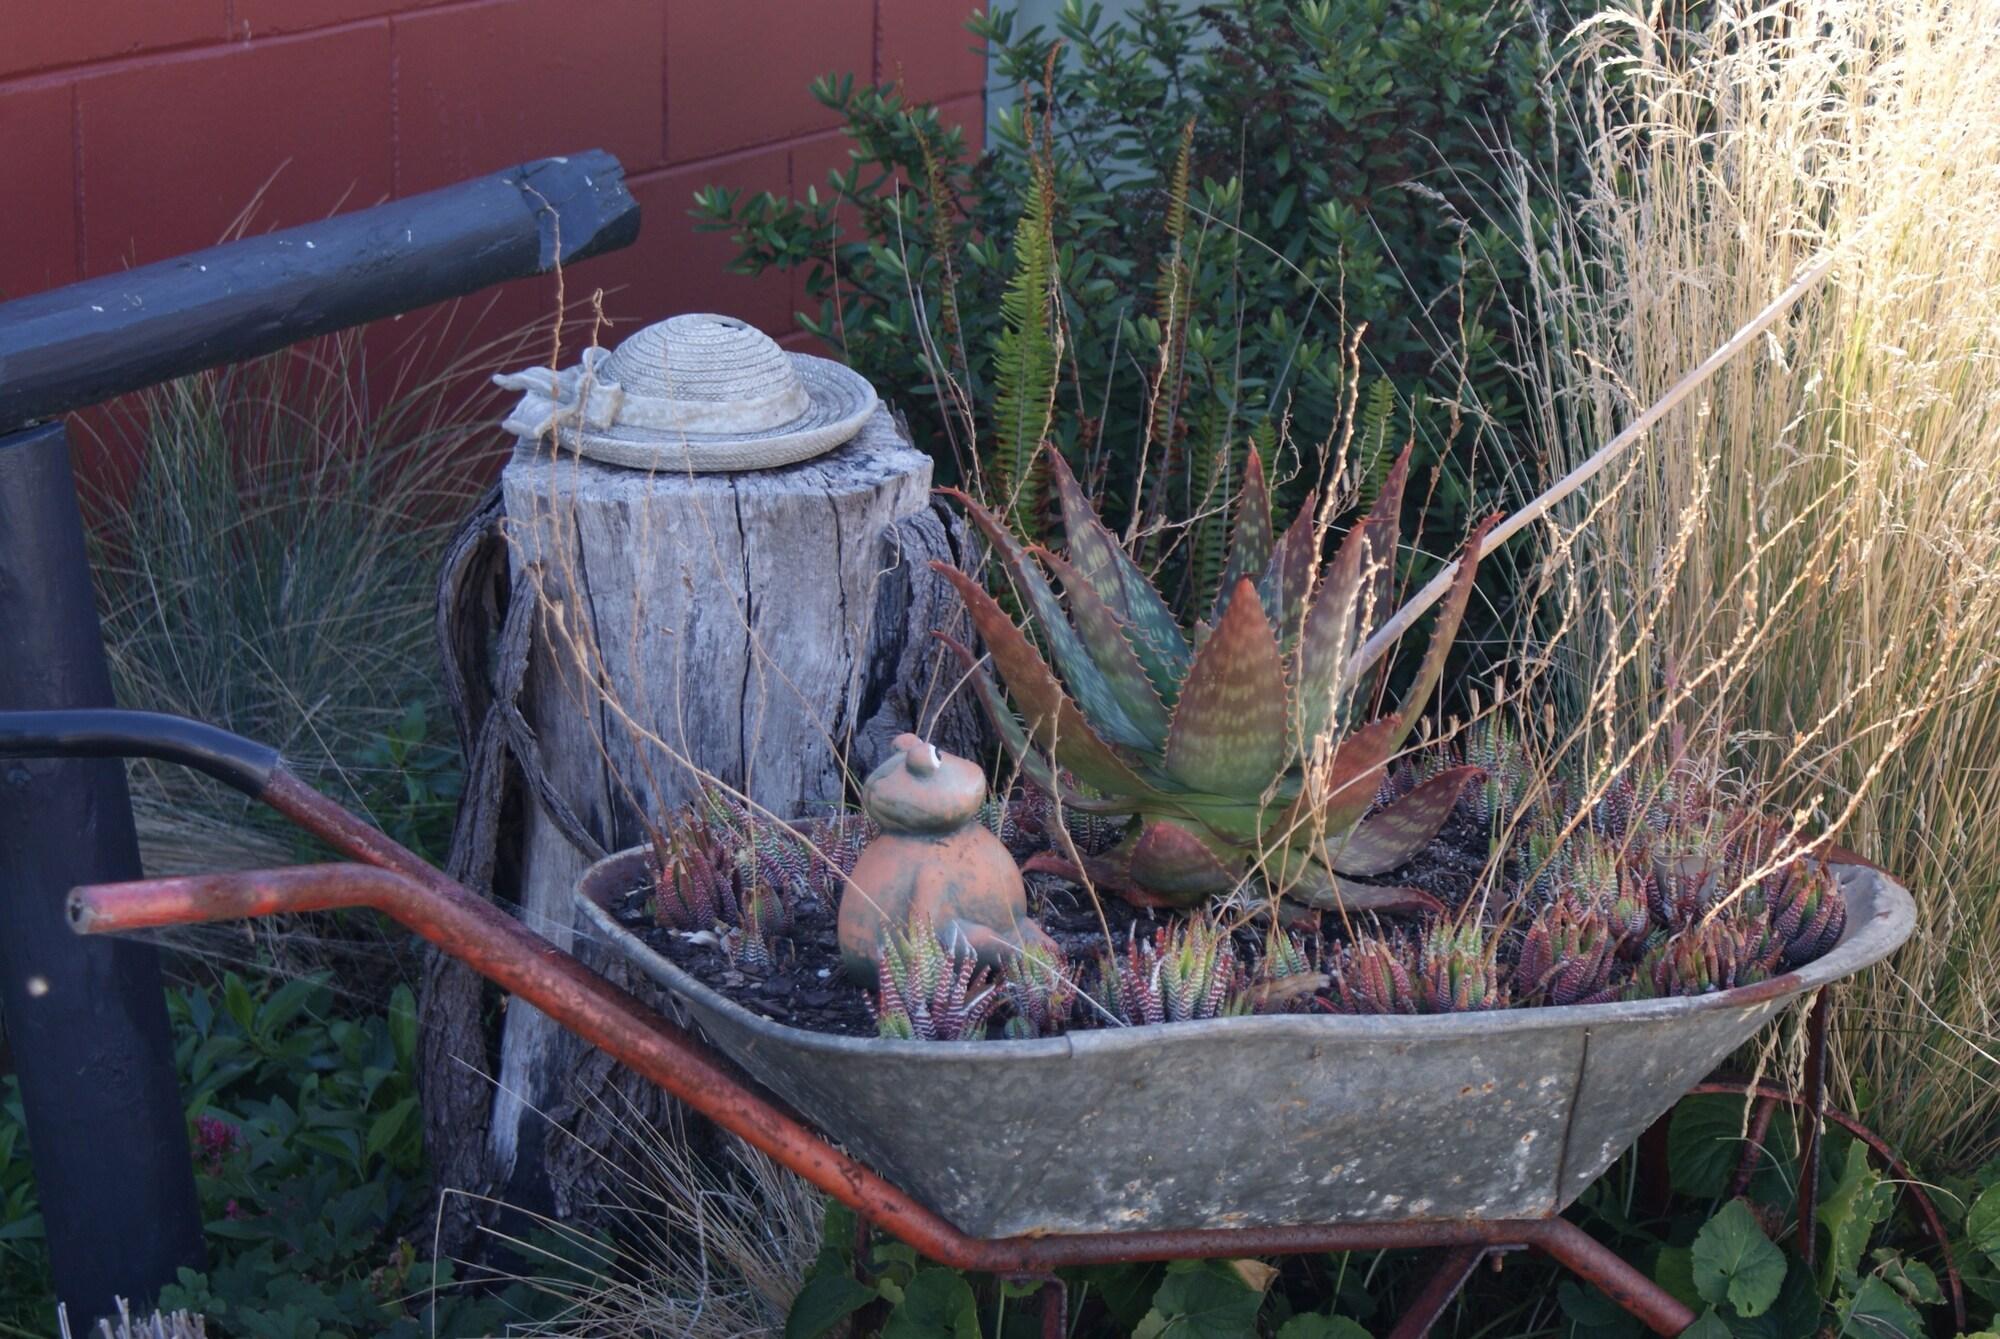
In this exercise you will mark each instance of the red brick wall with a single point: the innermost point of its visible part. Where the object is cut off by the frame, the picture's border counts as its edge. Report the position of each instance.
(132, 130)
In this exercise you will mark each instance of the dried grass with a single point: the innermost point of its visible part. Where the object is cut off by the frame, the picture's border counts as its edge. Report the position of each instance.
(1813, 542)
(707, 1248)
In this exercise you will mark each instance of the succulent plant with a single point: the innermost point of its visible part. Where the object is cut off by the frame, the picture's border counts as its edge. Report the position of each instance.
(1373, 974)
(1287, 976)
(1493, 746)
(1186, 971)
(763, 917)
(1718, 952)
(1807, 912)
(1567, 957)
(810, 860)
(1458, 971)
(1613, 806)
(1234, 747)
(1042, 989)
(928, 992)
(694, 876)
(1027, 819)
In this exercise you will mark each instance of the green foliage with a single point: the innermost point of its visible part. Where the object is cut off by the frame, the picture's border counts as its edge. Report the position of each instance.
(310, 1167)
(24, 1269)
(417, 780)
(1024, 360)
(1237, 187)
(1982, 1224)
(1187, 1299)
(1241, 737)
(1201, 1299)
(1312, 1325)
(1734, 1263)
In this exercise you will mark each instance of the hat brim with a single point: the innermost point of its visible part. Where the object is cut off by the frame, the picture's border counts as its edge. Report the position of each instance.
(840, 401)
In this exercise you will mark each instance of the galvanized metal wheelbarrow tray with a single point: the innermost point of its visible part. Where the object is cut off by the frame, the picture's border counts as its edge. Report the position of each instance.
(1262, 1121)
(1256, 1136)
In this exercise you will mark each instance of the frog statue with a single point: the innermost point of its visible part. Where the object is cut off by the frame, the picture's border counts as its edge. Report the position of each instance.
(934, 861)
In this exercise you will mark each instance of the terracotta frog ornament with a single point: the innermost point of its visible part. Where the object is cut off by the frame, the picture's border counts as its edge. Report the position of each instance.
(934, 860)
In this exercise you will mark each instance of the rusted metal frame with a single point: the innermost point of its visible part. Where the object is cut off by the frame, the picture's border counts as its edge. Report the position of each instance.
(1815, 1105)
(1447, 1280)
(1055, 1309)
(1905, 1180)
(1753, 1145)
(525, 964)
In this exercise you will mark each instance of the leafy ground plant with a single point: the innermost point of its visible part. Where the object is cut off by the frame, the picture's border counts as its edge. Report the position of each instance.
(1728, 1247)
(310, 1168)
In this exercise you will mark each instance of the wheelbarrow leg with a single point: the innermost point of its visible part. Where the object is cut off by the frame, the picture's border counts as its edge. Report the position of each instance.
(1815, 1095)
(1444, 1284)
(1652, 1305)
(1055, 1309)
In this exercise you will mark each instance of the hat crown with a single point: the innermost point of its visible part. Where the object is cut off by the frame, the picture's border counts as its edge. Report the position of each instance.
(700, 357)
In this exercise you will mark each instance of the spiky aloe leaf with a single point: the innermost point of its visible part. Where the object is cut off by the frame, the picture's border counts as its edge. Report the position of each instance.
(1334, 623)
(1288, 576)
(1112, 872)
(1450, 614)
(1104, 637)
(1316, 886)
(1250, 543)
(1228, 731)
(1054, 721)
(1101, 700)
(1014, 738)
(1177, 865)
(1329, 804)
(1386, 839)
(1100, 560)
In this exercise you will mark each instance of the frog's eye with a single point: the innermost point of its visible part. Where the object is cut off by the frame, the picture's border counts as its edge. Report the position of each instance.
(923, 759)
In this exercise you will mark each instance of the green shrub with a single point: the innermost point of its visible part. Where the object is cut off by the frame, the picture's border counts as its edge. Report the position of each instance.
(1231, 191)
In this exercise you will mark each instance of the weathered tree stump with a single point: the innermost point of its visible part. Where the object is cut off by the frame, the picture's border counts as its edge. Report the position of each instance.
(770, 629)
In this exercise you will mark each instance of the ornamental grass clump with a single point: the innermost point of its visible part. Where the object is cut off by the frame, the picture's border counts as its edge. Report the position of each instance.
(1235, 747)
(1831, 500)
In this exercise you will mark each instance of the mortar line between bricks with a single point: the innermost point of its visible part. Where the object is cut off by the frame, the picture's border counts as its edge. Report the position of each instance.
(80, 246)
(186, 53)
(395, 110)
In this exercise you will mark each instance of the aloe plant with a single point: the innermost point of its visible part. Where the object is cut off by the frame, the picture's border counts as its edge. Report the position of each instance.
(1233, 747)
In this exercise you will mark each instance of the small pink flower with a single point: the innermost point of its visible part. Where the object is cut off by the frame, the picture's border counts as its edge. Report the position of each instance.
(215, 1138)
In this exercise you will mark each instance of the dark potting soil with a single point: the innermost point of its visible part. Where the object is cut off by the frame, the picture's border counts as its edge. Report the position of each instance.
(808, 988)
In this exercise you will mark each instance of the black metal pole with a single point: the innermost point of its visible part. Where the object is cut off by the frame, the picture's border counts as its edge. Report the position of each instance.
(87, 1019)
(74, 346)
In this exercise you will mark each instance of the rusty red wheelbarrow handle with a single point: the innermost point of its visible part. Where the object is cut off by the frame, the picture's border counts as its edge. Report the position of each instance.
(391, 879)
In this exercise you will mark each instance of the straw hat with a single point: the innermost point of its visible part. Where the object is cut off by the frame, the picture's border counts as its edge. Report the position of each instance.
(693, 392)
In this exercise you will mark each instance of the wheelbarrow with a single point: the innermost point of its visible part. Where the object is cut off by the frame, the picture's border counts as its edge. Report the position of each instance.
(1235, 1137)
